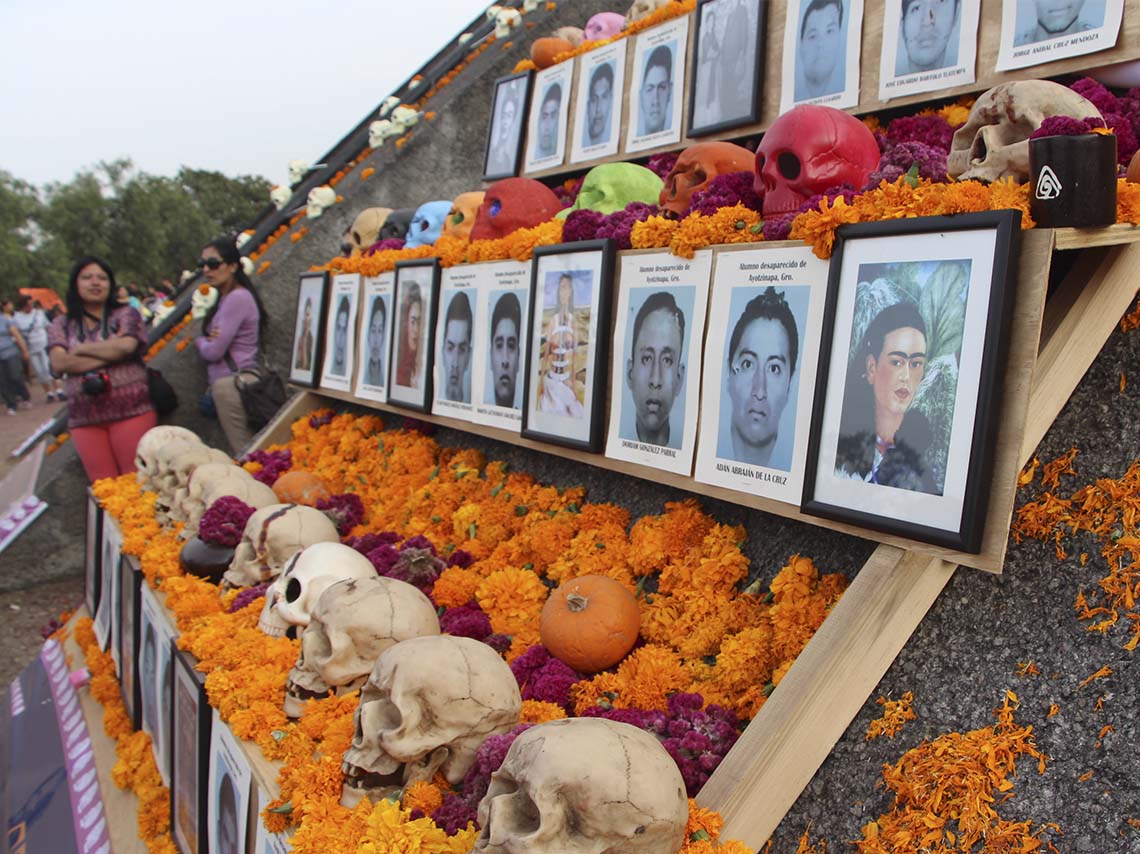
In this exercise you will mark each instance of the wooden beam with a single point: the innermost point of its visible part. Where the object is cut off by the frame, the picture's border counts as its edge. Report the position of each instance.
(1079, 319)
(776, 757)
(1086, 238)
(279, 430)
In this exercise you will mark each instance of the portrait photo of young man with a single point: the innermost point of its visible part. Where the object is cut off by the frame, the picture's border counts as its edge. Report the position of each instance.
(821, 51)
(1054, 19)
(656, 96)
(505, 341)
(928, 31)
(549, 122)
(655, 371)
(599, 106)
(455, 350)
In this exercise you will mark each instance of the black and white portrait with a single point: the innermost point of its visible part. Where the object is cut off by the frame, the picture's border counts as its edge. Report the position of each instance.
(454, 340)
(726, 75)
(498, 362)
(502, 386)
(508, 118)
(549, 111)
(927, 45)
(376, 320)
(597, 117)
(821, 53)
(1039, 31)
(657, 84)
(230, 777)
(340, 332)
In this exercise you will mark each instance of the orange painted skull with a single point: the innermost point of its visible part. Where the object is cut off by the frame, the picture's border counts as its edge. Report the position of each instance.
(461, 217)
(697, 165)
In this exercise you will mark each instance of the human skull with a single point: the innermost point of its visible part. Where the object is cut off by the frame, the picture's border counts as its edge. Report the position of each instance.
(461, 216)
(405, 117)
(297, 170)
(310, 572)
(149, 444)
(808, 150)
(611, 187)
(355, 620)
(173, 465)
(319, 199)
(366, 228)
(604, 25)
(696, 167)
(379, 131)
(584, 786)
(280, 195)
(187, 500)
(994, 141)
(395, 227)
(643, 8)
(505, 21)
(272, 535)
(427, 224)
(427, 706)
(511, 204)
(248, 490)
(202, 300)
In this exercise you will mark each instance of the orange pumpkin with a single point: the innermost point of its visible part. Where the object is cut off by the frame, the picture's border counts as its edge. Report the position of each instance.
(1133, 173)
(590, 623)
(300, 487)
(543, 51)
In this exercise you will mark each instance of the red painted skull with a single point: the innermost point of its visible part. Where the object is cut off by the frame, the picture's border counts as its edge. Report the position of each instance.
(511, 204)
(809, 150)
(696, 167)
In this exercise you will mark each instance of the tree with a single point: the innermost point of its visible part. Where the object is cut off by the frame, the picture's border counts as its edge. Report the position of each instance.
(19, 205)
(232, 203)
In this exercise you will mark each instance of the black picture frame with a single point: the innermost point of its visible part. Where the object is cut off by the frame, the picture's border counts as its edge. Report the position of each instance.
(422, 274)
(513, 89)
(703, 117)
(92, 554)
(959, 254)
(541, 418)
(130, 576)
(312, 307)
(190, 720)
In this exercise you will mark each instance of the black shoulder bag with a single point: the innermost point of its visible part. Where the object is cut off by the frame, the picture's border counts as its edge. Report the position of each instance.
(261, 389)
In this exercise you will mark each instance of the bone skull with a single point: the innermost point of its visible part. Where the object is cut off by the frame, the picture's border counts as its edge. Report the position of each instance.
(290, 600)
(319, 199)
(366, 228)
(584, 786)
(994, 141)
(173, 465)
(297, 170)
(280, 195)
(809, 150)
(696, 167)
(189, 502)
(272, 535)
(355, 620)
(151, 441)
(427, 706)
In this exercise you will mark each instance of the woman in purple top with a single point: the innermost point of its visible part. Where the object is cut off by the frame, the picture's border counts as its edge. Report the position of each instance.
(233, 328)
(99, 344)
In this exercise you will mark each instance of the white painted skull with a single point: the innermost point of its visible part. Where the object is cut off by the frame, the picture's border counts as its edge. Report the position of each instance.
(297, 170)
(405, 117)
(242, 239)
(427, 706)
(272, 535)
(149, 444)
(310, 572)
(379, 131)
(355, 620)
(584, 786)
(280, 195)
(200, 303)
(994, 141)
(319, 199)
(505, 21)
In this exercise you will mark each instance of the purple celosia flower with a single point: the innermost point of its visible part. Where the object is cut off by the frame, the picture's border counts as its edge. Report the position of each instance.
(454, 814)
(466, 621)
(224, 521)
(383, 557)
(581, 225)
(273, 464)
(934, 131)
(248, 595)
(345, 509)
(543, 677)
(419, 541)
(387, 243)
(371, 541)
(1126, 136)
(899, 158)
(778, 227)
(619, 225)
(488, 759)
(1096, 92)
(568, 195)
(318, 421)
(1065, 126)
(417, 566)
(498, 642)
(460, 558)
(812, 203)
(663, 164)
(724, 191)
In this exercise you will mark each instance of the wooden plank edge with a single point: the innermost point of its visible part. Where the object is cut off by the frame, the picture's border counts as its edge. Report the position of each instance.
(1086, 238)
(779, 752)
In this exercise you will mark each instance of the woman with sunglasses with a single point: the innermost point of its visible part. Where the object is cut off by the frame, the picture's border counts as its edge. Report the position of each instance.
(99, 345)
(231, 342)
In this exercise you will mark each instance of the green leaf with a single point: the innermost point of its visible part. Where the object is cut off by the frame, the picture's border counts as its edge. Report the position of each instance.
(471, 531)
(496, 490)
(284, 809)
(279, 734)
(912, 175)
(521, 509)
(699, 836)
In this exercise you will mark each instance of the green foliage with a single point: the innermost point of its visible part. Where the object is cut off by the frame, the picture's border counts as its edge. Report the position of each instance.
(148, 227)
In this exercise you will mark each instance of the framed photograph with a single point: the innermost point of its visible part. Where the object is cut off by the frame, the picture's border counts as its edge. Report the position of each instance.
(230, 778)
(190, 749)
(92, 552)
(156, 673)
(549, 111)
(728, 75)
(340, 332)
(106, 616)
(821, 53)
(759, 370)
(454, 342)
(914, 343)
(265, 842)
(130, 577)
(410, 356)
(376, 321)
(504, 304)
(657, 86)
(597, 111)
(568, 344)
(927, 45)
(1038, 31)
(656, 377)
(508, 118)
(308, 344)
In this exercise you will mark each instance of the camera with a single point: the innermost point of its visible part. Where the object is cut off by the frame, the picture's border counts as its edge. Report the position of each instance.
(95, 383)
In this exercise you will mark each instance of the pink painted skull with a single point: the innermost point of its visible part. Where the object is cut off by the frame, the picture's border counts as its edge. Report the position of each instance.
(809, 150)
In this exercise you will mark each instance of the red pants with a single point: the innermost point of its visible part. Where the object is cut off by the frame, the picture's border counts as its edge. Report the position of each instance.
(108, 449)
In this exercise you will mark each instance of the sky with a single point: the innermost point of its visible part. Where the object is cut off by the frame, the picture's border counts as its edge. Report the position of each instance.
(240, 87)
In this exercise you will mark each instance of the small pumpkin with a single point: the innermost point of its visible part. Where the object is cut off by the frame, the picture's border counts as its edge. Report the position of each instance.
(300, 487)
(543, 51)
(1133, 173)
(590, 623)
